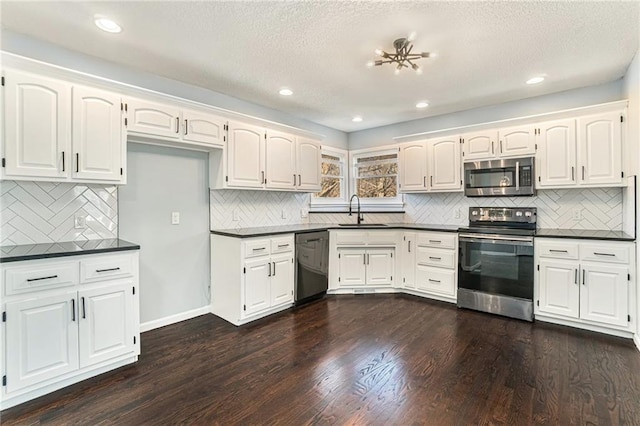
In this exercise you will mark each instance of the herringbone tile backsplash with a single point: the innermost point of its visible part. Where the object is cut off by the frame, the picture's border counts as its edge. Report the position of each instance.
(256, 208)
(44, 212)
(600, 208)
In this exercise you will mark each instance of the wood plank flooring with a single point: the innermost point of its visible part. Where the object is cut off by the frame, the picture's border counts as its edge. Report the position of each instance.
(373, 359)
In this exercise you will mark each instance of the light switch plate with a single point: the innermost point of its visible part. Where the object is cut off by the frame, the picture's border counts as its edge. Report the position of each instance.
(175, 218)
(284, 214)
(577, 214)
(235, 216)
(80, 222)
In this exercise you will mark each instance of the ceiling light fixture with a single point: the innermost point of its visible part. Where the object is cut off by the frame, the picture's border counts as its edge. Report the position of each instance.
(403, 58)
(535, 80)
(285, 92)
(106, 24)
(422, 104)
(357, 119)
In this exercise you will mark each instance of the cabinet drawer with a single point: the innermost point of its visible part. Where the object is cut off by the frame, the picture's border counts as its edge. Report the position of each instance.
(558, 250)
(254, 248)
(428, 256)
(608, 253)
(282, 244)
(35, 276)
(430, 239)
(106, 267)
(351, 238)
(434, 280)
(382, 238)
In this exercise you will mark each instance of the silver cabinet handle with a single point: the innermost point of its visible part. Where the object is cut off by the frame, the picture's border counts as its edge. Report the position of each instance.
(575, 276)
(73, 309)
(364, 258)
(431, 181)
(294, 179)
(424, 181)
(274, 269)
(108, 270)
(259, 249)
(77, 162)
(63, 161)
(435, 258)
(584, 278)
(41, 278)
(177, 124)
(263, 178)
(558, 251)
(572, 173)
(492, 148)
(283, 245)
(582, 172)
(409, 243)
(84, 310)
(434, 281)
(299, 180)
(604, 254)
(186, 126)
(269, 269)
(500, 147)
(435, 241)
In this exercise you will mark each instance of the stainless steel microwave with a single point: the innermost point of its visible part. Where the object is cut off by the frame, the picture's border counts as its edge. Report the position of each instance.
(509, 177)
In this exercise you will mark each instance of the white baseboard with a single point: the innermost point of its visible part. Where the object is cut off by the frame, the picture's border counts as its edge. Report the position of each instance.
(172, 319)
(636, 340)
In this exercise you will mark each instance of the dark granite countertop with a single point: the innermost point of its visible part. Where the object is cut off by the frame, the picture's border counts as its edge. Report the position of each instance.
(72, 248)
(311, 227)
(584, 234)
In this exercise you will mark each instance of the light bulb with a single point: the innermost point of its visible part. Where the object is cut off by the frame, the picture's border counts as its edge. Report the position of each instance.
(396, 71)
(535, 80)
(106, 24)
(411, 36)
(422, 104)
(419, 71)
(285, 92)
(370, 64)
(356, 119)
(379, 52)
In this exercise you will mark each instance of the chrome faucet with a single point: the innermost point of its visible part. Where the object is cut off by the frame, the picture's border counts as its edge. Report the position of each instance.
(360, 218)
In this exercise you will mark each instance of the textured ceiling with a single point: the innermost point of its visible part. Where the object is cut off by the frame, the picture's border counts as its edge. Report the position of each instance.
(485, 50)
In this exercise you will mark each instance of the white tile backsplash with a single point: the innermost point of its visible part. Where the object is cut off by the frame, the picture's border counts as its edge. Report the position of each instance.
(44, 212)
(256, 208)
(600, 208)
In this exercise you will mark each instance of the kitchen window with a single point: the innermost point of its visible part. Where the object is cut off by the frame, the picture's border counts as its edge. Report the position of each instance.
(375, 178)
(333, 194)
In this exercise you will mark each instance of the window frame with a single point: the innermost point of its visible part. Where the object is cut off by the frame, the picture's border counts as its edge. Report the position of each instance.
(378, 204)
(319, 204)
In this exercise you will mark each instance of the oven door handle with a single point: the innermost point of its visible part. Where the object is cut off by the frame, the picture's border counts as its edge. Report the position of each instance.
(517, 176)
(496, 239)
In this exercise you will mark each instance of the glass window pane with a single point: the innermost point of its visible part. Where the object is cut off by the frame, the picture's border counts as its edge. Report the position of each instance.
(331, 169)
(330, 157)
(330, 188)
(377, 187)
(387, 157)
(378, 170)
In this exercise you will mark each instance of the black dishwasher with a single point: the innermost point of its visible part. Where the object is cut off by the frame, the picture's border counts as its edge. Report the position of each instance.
(312, 266)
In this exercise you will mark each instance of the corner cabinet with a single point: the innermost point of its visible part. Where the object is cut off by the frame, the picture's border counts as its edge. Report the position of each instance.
(58, 131)
(66, 320)
(251, 277)
(259, 158)
(586, 283)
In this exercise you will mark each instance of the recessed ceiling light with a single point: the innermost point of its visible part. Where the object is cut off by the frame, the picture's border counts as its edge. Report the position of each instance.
(357, 119)
(286, 92)
(106, 24)
(535, 80)
(422, 104)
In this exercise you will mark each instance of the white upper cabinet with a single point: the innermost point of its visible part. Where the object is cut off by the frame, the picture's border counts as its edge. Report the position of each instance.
(245, 156)
(517, 141)
(37, 126)
(444, 164)
(600, 149)
(202, 128)
(556, 156)
(281, 160)
(309, 156)
(97, 137)
(151, 118)
(413, 166)
(480, 145)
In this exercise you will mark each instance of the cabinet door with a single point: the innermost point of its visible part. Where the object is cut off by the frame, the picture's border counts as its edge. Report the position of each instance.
(97, 137)
(42, 339)
(257, 275)
(517, 141)
(480, 146)
(245, 156)
(352, 267)
(203, 128)
(282, 279)
(604, 294)
(600, 149)
(408, 260)
(309, 165)
(106, 323)
(37, 126)
(153, 119)
(379, 267)
(444, 164)
(281, 161)
(413, 167)
(559, 288)
(557, 154)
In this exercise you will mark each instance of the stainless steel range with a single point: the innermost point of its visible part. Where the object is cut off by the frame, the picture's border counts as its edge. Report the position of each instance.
(495, 272)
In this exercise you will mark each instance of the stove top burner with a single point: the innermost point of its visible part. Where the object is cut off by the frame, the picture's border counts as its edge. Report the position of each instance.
(502, 220)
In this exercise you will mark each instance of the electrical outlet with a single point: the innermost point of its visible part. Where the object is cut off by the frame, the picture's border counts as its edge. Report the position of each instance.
(577, 214)
(80, 222)
(236, 216)
(456, 214)
(175, 218)
(284, 214)
(304, 213)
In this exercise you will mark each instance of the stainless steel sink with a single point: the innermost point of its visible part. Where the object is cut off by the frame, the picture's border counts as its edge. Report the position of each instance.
(363, 225)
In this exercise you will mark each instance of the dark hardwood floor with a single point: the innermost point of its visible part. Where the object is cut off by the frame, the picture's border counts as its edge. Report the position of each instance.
(359, 360)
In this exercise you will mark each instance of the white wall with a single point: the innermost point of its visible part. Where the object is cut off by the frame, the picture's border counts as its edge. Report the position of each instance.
(36, 49)
(632, 92)
(174, 259)
(585, 96)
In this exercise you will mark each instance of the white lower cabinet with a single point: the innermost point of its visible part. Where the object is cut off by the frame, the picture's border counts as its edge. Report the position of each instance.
(251, 277)
(372, 267)
(408, 260)
(61, 331)
(594, 290)
(435, 265)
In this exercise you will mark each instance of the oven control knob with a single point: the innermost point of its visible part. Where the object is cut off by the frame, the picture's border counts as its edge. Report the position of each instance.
(474, 212)
(527, 214)
(519, 214)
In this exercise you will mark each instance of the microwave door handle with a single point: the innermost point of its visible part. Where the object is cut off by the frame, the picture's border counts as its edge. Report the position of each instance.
(517, 176)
